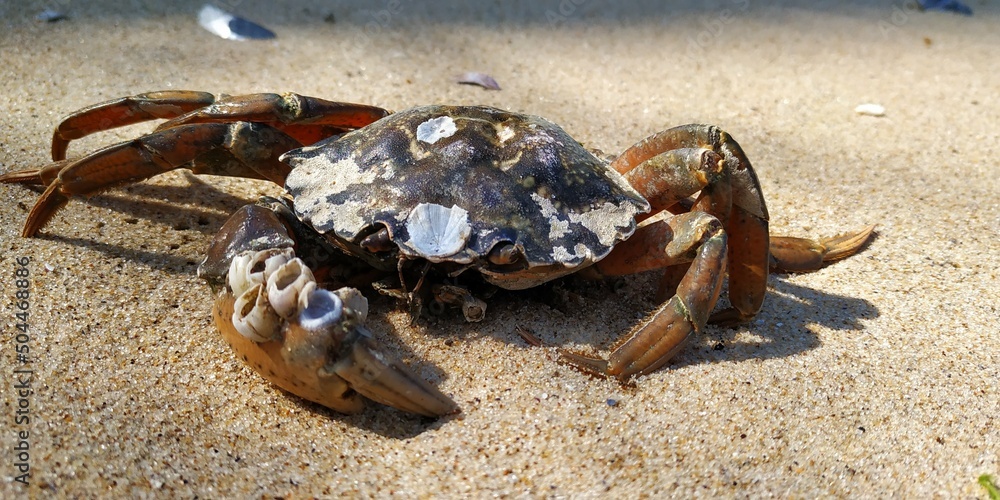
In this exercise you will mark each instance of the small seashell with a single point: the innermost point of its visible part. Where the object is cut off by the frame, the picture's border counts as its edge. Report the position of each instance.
(253, 316)
(475, 78)
(870, 109)
(285, 285)
(437, 231)
(50, 16)
(946, 5)
(230, 27)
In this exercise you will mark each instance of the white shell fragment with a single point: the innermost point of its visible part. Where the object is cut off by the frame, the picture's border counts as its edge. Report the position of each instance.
(476, 78)
(230, 27)
(870, 109)
(437, 231)
(50, 16)
(434, 129)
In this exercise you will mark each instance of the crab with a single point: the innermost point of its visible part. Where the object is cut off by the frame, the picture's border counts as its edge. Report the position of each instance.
(436, 204)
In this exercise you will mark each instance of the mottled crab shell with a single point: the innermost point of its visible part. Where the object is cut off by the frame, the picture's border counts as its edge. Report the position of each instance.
(450, 183)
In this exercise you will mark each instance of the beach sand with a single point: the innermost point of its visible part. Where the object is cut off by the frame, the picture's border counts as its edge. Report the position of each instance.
(874, 377)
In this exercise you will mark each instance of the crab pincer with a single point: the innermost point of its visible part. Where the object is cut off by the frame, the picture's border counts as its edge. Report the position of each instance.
(307, 340)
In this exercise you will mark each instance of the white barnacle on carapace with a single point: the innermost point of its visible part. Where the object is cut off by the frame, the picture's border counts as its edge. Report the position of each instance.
(436, 231)
(435, 129)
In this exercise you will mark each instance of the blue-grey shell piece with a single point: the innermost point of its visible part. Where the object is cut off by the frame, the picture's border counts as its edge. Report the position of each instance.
(522, 179)
(230, 27)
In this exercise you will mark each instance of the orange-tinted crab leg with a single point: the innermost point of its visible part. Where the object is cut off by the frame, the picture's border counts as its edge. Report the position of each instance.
(791, 254)
(666, 168)
(233, 149)
(281, 110)
(236, 136)
(717, 166)
(732, 194)
(694, 237)
(308, 119)
(125, 111)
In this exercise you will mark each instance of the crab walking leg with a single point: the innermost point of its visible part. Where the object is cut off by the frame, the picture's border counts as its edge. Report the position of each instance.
(308, 119)
(237, 149)
(278, 110)
(791, 254)
(309, 341)
(662, 334)
(733, 195)
(125, 111)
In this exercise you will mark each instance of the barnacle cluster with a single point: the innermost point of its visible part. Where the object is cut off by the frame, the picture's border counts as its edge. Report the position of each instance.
(273, 287)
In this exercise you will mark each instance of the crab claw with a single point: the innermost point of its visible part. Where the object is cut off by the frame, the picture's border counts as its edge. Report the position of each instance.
(355, 357)
(387, 381)
(312, 342)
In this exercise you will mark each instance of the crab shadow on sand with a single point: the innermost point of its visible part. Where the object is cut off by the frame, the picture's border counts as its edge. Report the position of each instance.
(787, 324)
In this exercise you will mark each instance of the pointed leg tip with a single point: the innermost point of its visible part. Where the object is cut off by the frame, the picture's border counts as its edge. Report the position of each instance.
(730, 317)
(846, 245)
(28, 176)
(594, 366)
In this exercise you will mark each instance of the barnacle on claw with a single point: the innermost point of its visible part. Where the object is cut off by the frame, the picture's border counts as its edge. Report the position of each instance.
(253, 268)
(442, 200)
(312, 341)
(254, 316)
(285, 287)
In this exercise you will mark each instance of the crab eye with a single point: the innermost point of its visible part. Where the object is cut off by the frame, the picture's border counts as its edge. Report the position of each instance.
(378, 241)
(504, 254)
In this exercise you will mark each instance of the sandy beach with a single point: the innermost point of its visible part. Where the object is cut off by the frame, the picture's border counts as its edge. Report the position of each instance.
(874, 377)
